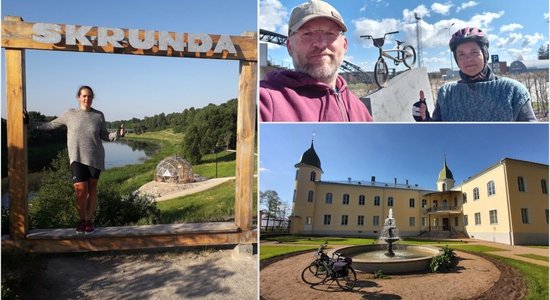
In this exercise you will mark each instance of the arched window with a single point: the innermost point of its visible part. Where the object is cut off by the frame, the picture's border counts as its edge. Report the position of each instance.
(411, 202)
(328, 198)
(312, 176)
(362, 200)
(376, 200)
(390, 201)
(476, 193)
(490, 188)
(444, 186)
(310, 196)
(345, 199)
(424, 203)
(521, 184)
(434, 204)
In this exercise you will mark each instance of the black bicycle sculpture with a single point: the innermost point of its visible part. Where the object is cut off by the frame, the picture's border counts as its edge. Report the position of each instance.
(405, 55)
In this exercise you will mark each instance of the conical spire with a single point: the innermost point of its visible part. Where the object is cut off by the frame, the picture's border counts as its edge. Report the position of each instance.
(445, 173)
(310, 157)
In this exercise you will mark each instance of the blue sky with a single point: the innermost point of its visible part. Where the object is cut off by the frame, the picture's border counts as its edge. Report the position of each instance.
(129, 86)
(515, 28)
(403, 151)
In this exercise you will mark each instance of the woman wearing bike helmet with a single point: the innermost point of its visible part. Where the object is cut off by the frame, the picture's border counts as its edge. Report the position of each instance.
(480, 95)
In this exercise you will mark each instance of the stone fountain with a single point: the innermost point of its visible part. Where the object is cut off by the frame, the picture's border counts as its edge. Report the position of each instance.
(394, 259)
(389, 234)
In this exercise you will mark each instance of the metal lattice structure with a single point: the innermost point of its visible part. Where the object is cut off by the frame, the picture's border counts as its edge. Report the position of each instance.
(174, 169)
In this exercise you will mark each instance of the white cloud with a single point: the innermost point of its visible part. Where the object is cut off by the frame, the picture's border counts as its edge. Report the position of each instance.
(465, 5)
(512, 38)
(520, 54)
(375, 28)
(263, 170)
(546, 16)
(530, 40)
(510, 27)
(273, 16)
(363, 8)
(484, 20)
(442, 9)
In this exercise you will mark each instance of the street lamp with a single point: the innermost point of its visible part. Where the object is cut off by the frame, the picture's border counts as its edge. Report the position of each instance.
(452, 71)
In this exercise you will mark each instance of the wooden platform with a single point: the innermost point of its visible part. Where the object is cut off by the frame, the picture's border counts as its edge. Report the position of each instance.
(133, 237)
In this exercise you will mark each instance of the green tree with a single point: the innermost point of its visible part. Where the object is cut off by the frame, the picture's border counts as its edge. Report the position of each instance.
(54, 204)
(543, 52)
(271, 202)
(191, 141)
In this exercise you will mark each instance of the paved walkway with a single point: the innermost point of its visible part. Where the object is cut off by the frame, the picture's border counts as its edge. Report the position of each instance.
(205, 185)
(166, 191)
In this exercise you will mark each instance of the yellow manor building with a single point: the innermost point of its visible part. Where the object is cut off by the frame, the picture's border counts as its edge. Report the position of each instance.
(506, 203)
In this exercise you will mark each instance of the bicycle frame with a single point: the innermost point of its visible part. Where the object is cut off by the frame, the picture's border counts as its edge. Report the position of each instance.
(405, 55)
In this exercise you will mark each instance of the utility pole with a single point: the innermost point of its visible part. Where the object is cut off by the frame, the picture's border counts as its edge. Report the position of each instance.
(452, 71)
(419, 39)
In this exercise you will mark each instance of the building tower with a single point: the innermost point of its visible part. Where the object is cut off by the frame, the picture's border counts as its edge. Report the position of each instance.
(445, 181)
(308, 172)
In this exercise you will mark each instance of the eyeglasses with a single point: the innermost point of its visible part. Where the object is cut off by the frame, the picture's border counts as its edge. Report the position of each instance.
(308, 36)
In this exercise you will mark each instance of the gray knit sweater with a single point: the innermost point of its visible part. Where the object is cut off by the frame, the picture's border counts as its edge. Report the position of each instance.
(85, 130)
(496, 100)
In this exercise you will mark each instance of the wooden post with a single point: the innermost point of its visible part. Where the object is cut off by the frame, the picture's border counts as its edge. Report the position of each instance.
(17, 142)
(246, 127)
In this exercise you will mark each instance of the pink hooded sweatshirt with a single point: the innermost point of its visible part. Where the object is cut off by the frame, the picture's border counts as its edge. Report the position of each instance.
(289, 96)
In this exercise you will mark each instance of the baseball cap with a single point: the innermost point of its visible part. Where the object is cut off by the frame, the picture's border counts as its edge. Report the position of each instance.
(313, 9)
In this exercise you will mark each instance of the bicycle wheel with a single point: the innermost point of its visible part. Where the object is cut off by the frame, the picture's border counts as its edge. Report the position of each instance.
(347, 282)
(381, 72)
(409, 56)
(315, 273)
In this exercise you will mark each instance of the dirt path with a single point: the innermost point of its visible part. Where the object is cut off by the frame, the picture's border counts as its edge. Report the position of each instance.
(474, 277)
(166, 191)
(212, 274)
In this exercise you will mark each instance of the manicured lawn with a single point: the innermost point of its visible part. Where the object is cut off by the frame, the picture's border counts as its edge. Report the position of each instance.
(293, 239)
(270, 251)
(535, 276)
(215, 204)
(476, 248)
(534, 256)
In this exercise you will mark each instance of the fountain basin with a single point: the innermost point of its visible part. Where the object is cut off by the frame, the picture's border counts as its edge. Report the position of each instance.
(407, 259)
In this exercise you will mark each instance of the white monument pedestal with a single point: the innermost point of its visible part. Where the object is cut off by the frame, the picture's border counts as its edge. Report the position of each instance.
(394, 103)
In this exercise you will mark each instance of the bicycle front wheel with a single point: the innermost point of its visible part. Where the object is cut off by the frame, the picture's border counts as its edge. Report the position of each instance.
(348, 281)
(409, 56)
(315, 273)
(381, 72)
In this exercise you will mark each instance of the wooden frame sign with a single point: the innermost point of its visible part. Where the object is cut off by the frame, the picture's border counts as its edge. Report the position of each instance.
(18, 36)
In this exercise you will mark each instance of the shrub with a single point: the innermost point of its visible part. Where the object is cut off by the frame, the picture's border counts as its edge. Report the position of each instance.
(380, 275)
(444, 262)
(55, 203)
(134, 208)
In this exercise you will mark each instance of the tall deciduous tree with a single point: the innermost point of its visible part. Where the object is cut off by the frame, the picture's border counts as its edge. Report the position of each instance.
(271, 202)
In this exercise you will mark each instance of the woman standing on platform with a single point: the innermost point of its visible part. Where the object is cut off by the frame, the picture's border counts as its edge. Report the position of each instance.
(86, 129)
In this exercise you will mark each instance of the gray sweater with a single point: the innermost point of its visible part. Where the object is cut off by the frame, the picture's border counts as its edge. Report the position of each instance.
(85, 130)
